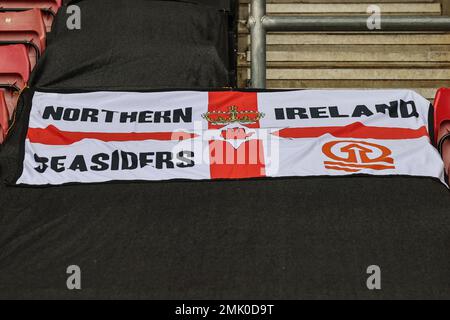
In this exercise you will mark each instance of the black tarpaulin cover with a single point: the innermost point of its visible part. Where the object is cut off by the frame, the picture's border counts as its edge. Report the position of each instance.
(139, 44)
(260, 239)
(218, 4)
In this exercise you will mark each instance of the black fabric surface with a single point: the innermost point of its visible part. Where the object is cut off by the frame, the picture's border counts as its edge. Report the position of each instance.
(218, 4)
(298, 238)
(138, 44)
(293, 238)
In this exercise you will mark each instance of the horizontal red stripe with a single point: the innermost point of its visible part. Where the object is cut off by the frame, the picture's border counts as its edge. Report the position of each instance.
(53, 136)
(355, 130)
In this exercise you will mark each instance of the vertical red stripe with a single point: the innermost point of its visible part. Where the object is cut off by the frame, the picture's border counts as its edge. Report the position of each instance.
(222, 101)
(247, 161)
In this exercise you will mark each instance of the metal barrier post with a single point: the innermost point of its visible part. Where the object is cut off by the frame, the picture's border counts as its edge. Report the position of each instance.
(258, 43)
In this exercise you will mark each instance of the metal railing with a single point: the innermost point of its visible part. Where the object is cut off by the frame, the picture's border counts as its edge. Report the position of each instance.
(259, 24)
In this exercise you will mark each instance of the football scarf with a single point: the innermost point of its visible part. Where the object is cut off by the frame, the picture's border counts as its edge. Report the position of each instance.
(197, 135)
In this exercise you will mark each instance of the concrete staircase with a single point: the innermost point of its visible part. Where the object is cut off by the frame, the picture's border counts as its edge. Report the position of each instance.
(419, 61)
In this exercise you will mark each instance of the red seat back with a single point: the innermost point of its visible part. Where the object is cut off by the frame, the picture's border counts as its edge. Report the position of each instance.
(4, 117)
(11, 97)
(52, 5)
(442, 123)
(14, 66)
(14, 72)
(49, 8)
(23, 27)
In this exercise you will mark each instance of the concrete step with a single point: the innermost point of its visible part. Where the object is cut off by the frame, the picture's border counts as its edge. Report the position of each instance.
(357, 74)
(428, 93)
(395, 84)
(429, 85)
(405, 53)
(418, 8)
(351, 39)
(349, 64)
(425, 88)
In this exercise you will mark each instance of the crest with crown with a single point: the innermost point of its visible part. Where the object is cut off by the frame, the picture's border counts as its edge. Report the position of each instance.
(233, 115)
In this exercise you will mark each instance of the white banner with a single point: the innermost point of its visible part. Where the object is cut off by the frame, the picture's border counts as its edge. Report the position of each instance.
(108, 136)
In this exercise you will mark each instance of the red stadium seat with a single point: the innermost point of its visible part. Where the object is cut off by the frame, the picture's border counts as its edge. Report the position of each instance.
(49, 8)
(442, 124)
(14, 72)
(52, 5)
(25, 27)
(4, 117)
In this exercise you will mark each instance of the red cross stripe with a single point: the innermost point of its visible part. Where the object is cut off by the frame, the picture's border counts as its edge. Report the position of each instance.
(246, 161)
(355, 130)
(222, 101)
(53, 136)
